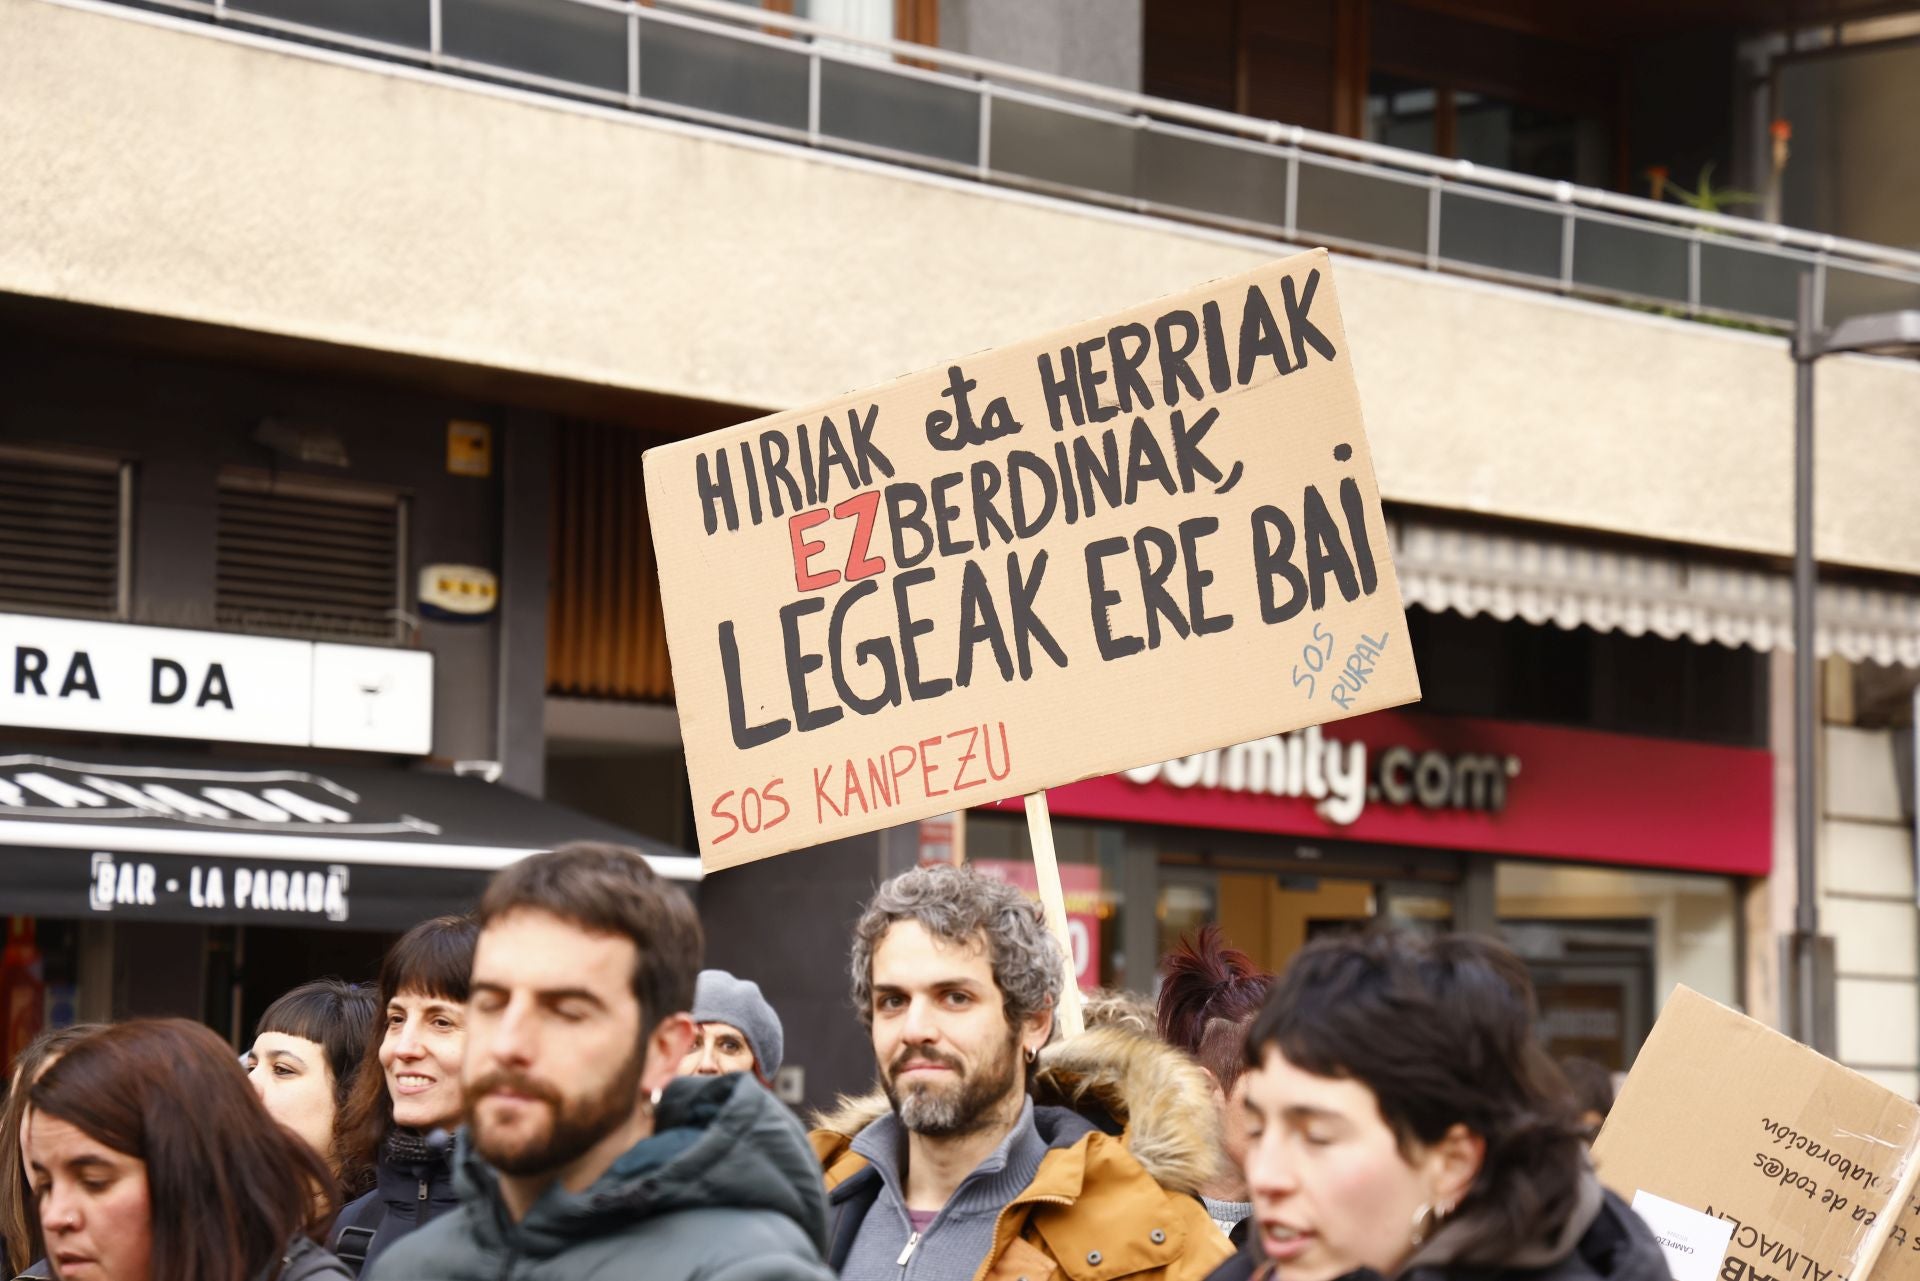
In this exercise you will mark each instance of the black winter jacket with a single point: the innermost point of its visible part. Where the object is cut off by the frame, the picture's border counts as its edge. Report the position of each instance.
(1615, 1246)
(413, 1186)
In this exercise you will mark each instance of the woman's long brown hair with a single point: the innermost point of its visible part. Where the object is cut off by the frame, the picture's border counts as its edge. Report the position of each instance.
(229, 1187)
(434, 958)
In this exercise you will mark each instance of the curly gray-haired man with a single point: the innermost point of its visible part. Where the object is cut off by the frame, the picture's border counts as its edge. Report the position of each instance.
(962, 1165)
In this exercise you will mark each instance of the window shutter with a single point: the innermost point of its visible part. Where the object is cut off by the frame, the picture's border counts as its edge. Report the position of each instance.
(318, 561)
(62, 534)
(605, 634)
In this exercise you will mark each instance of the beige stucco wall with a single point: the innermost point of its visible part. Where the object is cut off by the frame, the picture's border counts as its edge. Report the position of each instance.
(167, 171)
(1867, 905)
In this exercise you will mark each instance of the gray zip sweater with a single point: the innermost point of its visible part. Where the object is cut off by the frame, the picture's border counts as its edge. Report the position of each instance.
(955, 1243)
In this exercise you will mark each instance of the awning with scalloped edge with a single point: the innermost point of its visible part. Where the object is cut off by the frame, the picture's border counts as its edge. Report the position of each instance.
(208, 839)
(1541, 580)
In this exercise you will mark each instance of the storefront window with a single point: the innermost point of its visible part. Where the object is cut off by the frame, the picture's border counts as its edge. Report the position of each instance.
(39, 975)
(1269, 916)
(1423, 909)
(1090, 879)
(1607, 947)
(1182, 907)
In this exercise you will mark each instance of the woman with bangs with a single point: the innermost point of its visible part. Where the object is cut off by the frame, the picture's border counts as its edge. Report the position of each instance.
(1404, 1124)
(306, 1057)
(395, 1132)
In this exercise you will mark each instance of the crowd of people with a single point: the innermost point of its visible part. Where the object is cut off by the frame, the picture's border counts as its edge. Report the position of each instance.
(553, 1088)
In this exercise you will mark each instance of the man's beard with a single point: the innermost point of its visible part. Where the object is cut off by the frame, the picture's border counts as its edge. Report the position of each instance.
(965, 1107)
(575, 1126)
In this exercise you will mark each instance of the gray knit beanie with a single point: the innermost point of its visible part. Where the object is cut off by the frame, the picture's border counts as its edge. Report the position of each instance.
(718, 997)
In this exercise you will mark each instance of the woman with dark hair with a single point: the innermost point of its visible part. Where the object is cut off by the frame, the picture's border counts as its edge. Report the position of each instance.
(394, 1135)
(151, 1160)
(306, 1053)
(1210, 994)
(19, 1227)
(1405, 1123)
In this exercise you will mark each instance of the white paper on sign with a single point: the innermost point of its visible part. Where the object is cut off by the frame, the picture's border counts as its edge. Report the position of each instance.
(1695, 1243)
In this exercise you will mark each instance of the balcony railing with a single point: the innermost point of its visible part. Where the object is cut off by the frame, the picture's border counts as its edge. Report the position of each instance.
(748, 69)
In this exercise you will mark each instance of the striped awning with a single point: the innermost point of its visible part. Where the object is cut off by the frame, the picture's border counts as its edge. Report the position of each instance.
(1542, 580)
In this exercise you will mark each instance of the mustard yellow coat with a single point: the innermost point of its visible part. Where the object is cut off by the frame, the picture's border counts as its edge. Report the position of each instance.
(1105, 1207)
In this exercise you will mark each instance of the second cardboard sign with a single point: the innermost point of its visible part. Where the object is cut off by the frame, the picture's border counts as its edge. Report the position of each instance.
(1801, 1156)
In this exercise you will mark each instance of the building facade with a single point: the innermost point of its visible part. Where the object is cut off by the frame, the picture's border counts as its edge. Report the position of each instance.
(592, 229)
(260, 681)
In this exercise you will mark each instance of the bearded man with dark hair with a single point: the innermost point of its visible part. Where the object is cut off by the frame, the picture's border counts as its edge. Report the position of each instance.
(583, 1156)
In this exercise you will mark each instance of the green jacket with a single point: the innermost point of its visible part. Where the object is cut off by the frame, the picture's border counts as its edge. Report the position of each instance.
(725, 1190)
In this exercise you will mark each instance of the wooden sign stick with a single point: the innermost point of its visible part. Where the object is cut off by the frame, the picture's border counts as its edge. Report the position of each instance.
(1053, 901)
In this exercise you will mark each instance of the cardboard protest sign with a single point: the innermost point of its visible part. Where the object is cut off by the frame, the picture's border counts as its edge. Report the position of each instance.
(1143, 537)
(1801, 1156)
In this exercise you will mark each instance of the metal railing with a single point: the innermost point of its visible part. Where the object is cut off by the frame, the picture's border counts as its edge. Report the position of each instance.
(741, 67)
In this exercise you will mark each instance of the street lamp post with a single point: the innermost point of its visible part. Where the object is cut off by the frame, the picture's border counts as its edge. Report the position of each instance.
(1894, 333)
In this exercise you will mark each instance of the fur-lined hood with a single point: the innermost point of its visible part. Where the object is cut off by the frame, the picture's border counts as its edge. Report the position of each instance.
(1160, 1099)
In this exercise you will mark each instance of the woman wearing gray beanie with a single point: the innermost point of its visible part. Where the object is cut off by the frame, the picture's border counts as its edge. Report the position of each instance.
(739, 1032)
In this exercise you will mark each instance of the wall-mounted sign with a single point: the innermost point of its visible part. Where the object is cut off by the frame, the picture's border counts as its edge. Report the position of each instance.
(133, 885)
(1399, 778)
(458, 592)
(216, 887)
(1338, 777)
(469, 448)
(114, 678)
(370, 699)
